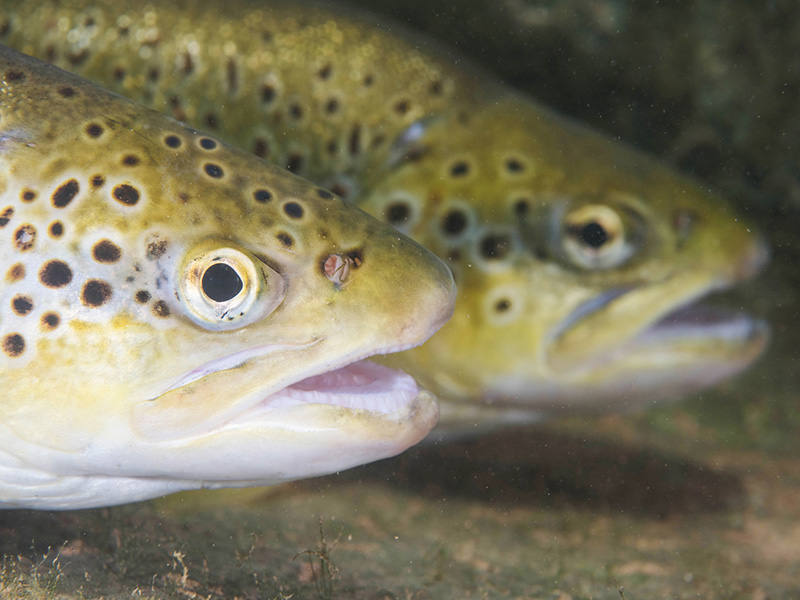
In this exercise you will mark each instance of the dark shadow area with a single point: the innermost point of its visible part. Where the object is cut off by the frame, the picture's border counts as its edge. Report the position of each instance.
(541, 467)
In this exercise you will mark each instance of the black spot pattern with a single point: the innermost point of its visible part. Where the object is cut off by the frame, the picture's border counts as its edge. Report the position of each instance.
(96, 292)
(55, 274)
(22, 305)
(13, 344)
(213, 170)
(106, 251)
(262, 196)
(65, 193)
(127, 194)
(293, 210)
(398, 213)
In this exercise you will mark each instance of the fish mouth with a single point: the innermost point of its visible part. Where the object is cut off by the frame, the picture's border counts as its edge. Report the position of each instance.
(358, 386)
(660, 339)
(233, 391)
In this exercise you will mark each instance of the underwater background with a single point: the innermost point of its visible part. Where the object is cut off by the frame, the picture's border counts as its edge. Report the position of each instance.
(700, 499)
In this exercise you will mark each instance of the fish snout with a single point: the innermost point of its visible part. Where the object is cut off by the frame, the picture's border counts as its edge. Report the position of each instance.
(418, 292)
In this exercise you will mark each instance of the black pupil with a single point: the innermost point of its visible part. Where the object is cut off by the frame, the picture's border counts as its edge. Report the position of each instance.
(221, 282)
(593, 234)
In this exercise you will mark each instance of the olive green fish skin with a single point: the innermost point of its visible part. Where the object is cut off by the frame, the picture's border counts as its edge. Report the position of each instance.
(119, 381)
(567, 248)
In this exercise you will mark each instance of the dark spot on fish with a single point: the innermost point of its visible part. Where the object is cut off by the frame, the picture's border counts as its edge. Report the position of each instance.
(50, 53)
(207, 143)
(522, 207)
(369, 79)
(66, 91)
(397, 213)
(331, 106)
(436, 88)
(97, 181)
(502, 305)
(454, 222)
(13, 344)
(173, 141)
(28, 195)
(294, 162)
(15, 273)
(333, 147)
(293, 210)
(495, 246)
(354, 141)
(513, 165)
(454, 255)
(119, 73)
(459, 168)
(65, 193)
(212, 120)
(55, 274)
(76, 58)
(106, 251)
(50, 320)
(285, 239)
(232, 75)
(262, 196)
(96, 292)
(160, 309)
(127, 194)
(22, 305)
(89, 22)
(188, 64)
(340, 189)
(153, 74)
(156, 249)
(295, 111)
(183, 197)
(130, 160)
(142, 296)
(213, 170)
(324, 194)
(267, 93)
(24, 237)
(377, 141)
(14, 76)
(401, 107)
(260, 147)
(6, 215)
(325, 71)
(5, 27)
(56, 229)
(94, 130)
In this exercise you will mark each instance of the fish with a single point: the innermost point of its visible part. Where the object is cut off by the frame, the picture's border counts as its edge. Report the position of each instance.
(179, 314)
(582, 264)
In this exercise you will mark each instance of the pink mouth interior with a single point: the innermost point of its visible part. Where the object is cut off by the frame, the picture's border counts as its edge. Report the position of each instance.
(362, 385)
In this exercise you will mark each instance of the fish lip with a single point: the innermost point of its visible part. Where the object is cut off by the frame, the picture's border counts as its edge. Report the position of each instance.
(410, 394)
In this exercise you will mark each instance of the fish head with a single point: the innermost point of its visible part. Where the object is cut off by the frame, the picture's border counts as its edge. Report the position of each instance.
(179, 314)
(579, 263)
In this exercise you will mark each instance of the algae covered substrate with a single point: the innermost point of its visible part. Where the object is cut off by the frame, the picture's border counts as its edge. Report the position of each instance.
(700, 499)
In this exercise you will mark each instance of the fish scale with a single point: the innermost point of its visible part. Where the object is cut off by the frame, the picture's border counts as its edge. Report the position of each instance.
(569, 249)
(163, 293)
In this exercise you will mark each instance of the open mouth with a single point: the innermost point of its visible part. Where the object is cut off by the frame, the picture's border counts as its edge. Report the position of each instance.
(700, 320)
(362, 385)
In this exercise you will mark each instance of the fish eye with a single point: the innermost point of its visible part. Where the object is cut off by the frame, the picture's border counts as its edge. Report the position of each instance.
(221, 282)
(593, 237)
(223, 287)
